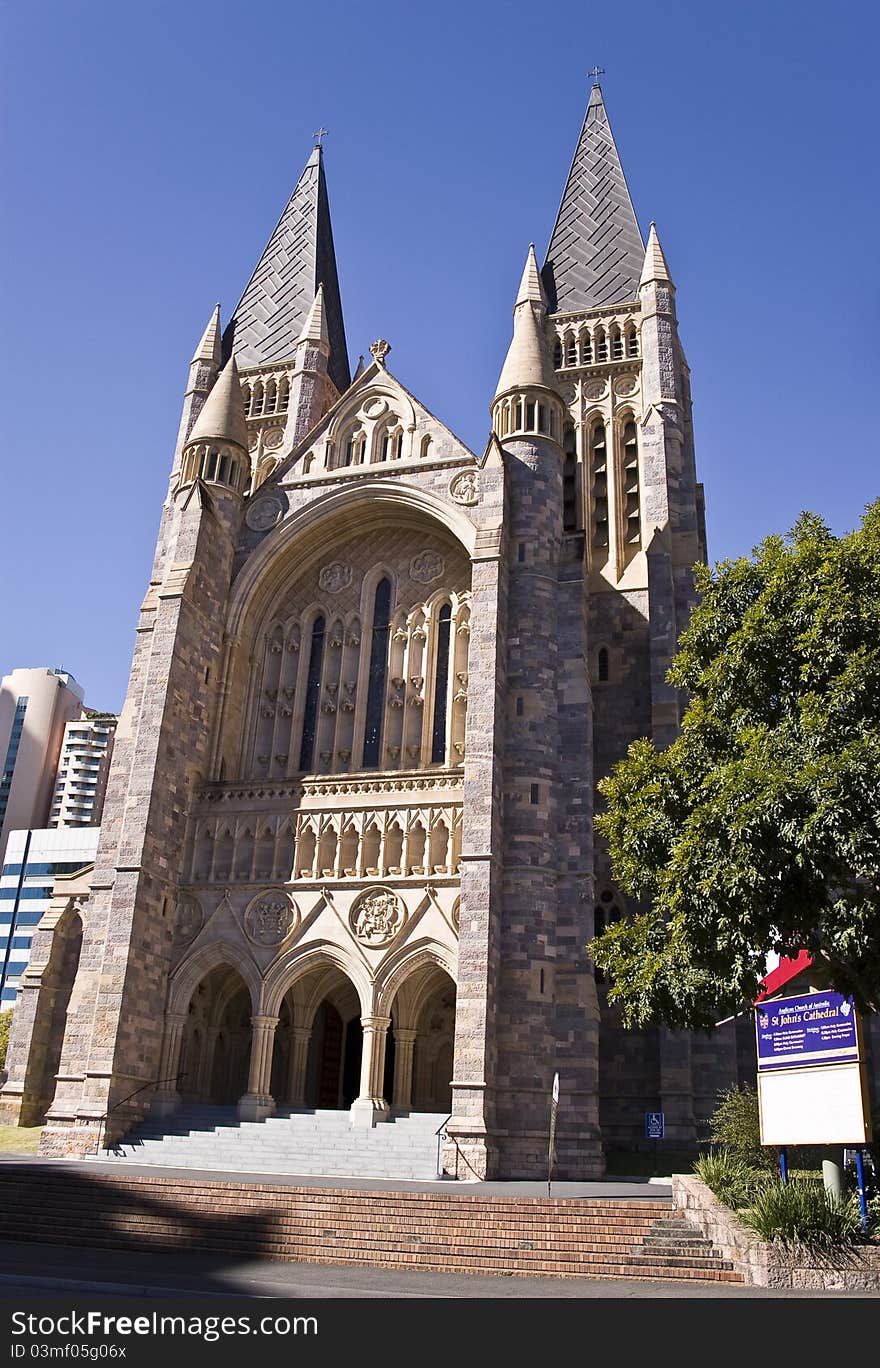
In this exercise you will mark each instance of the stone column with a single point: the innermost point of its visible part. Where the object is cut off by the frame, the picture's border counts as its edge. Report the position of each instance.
(404, 1042)
(371, 1106)
(166, 1098)
(300, 1036)
(258, 1103)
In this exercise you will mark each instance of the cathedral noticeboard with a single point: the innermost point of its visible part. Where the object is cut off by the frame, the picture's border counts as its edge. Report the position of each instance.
(811, 1084)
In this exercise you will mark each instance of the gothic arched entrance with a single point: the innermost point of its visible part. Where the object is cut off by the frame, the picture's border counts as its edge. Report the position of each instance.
(216, 1045)
(423, 1037)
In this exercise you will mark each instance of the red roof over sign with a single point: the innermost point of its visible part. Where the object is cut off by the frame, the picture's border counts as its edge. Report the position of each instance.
(785, 970)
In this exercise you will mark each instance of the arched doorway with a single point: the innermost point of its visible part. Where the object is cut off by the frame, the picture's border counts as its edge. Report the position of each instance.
(50, 1020)
(216, 1045)
(333, 1066)
(423, 1037)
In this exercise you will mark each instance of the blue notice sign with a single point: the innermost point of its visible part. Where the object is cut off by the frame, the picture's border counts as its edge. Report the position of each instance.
(655, 1125)
(812, 1028)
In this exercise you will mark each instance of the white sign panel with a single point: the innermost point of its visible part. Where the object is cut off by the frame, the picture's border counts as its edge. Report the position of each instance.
(820, 1106)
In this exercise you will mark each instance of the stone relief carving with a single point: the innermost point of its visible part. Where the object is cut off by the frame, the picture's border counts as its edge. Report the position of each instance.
(263, 513)
(334, 577)
(273, 437)
(594, 389)
(377, 916)
(426, 567)
(465, 487)
(253, 441)
(456, 915)
(626, 384)
(189, 919)
(270, 917)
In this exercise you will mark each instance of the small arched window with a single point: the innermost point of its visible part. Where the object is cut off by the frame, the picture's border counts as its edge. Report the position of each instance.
(571, 351)
(602, 665)
(586, 349)
(557, 354)
(616, 344)
(601, 345)
(632, 341)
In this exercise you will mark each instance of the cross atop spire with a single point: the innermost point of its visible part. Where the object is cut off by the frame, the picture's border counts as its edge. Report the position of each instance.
(320, 135)
(596, 72)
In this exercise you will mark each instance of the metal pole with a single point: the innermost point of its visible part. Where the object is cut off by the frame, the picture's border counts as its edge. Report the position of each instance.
(783, 1166)
(863, 1201)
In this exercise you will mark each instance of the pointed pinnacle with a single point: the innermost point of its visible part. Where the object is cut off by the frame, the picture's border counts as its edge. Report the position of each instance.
(655, 267)
(315, 327)
(209, 348)
(531, 289)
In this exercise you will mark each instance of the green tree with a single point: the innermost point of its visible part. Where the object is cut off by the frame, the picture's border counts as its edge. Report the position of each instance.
(758, 829)
(5, 1026)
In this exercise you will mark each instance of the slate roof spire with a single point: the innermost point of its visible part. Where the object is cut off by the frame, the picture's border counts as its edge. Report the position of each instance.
(298, 257)
(596, 252)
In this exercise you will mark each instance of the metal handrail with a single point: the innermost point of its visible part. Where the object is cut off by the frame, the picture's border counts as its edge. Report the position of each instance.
(440, 1133)
(154, 1083)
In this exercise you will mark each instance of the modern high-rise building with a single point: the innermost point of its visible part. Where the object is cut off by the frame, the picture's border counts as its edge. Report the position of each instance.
(83, 765)
(34, 859)
(35, 707)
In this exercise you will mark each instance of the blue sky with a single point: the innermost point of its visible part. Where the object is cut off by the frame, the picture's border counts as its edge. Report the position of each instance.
(148, 150)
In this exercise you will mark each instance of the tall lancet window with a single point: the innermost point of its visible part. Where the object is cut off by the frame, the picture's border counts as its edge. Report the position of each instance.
(441, 687)
(313, 694)
(378, 674)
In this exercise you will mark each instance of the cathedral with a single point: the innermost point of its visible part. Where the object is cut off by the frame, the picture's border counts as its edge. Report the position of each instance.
(347, 860)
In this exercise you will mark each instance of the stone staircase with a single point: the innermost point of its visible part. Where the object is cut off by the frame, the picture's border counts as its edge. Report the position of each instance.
(313, 1143)
(82, 1204)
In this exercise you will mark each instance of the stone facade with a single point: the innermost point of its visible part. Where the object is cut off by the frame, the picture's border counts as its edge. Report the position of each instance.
(347, 857)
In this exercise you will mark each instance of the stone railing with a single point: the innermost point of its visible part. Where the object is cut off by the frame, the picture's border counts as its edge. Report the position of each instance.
(335, 828)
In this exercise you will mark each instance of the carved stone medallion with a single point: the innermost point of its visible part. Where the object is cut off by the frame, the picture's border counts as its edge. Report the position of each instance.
(456, 915)
(426, 567)
(270, 917)
(253, 440)
(273, 437)
(377, 916)
(334, 577)
(189, 919)
(594, 389)
(465, 487)
(263, 513)
(625, 384)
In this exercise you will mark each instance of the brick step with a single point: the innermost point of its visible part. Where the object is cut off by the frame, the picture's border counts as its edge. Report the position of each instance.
(524, 1267)
(325, 1213)
(317, 1228)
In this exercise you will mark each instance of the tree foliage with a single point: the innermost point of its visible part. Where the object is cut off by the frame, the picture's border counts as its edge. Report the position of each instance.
(5, 1027)
(758, 829)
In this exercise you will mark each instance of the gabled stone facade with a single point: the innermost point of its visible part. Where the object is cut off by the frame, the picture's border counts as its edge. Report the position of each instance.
(347, 857)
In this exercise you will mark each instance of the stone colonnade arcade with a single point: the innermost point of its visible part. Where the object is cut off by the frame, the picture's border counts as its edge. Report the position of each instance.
(309, 1041)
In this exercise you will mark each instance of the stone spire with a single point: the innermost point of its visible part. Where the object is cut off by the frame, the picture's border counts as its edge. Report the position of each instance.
(528, 363)
(298, 257)
(655, 268)
(222, 415)
(595, 253)
(210, 349)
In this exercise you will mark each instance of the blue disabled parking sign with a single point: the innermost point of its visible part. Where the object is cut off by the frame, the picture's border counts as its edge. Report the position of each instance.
(654, 1125)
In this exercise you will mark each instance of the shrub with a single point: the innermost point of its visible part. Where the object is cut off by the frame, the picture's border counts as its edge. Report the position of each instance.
(734, 1182)
(735, 1126)
(803, 1213)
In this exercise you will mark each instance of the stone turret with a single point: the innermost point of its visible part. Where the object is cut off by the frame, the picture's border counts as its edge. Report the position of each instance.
(526, 398)
(203, 370)
(217, 448)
